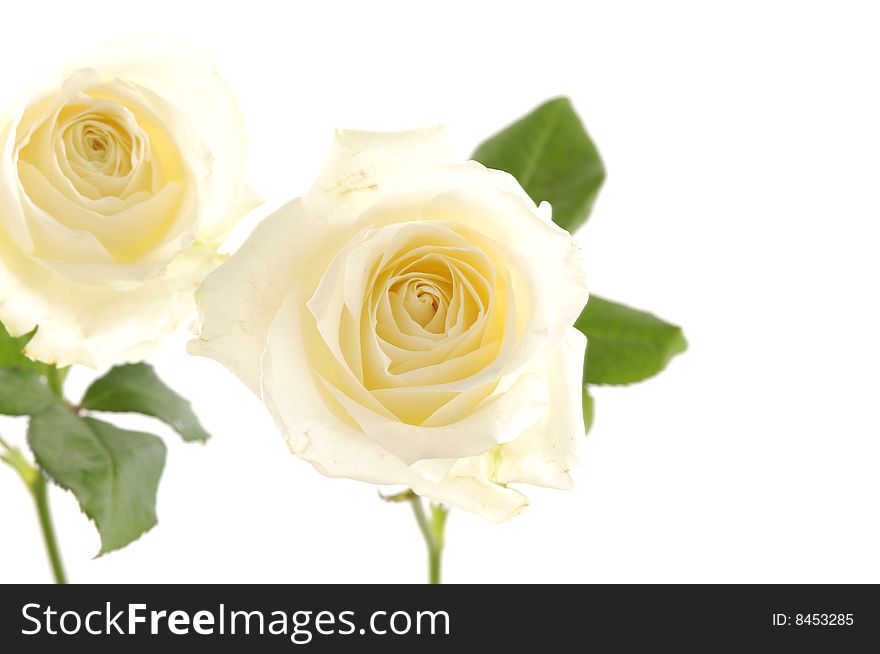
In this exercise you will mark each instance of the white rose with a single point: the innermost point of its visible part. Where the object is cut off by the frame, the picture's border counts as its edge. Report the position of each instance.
(118, 179)
(410, 322)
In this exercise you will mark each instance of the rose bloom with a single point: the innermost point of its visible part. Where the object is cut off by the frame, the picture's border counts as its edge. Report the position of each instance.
(119, 177)
(409, 321)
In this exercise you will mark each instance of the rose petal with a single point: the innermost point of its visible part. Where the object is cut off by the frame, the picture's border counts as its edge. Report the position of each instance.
(239, 300)
(360, 164)
(499, 419)
(544, 454)
(93, 326)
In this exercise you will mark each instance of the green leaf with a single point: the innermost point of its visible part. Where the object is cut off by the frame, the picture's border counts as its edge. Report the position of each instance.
(552, 157)
(625, 345)
(588, 409)
(11, 355)
(23, 393)
(136, 388)
(114, 473)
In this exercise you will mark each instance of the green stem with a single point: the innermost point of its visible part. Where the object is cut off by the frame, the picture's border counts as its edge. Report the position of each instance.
(433, 531)
(55, 378)
(35, 482)
(39, 490)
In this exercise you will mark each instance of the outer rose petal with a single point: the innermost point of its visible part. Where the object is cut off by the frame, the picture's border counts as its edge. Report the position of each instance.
(360, 164)
(312, 429)
(94, 326)
(239, 300)
(544, 455)
(498, 420)
(467, 488)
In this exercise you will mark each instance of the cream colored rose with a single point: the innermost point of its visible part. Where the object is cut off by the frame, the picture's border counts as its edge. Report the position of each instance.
(410, 322)
(118, 179)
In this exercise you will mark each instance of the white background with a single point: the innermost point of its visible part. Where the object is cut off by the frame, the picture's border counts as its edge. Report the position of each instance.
(742, 142)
